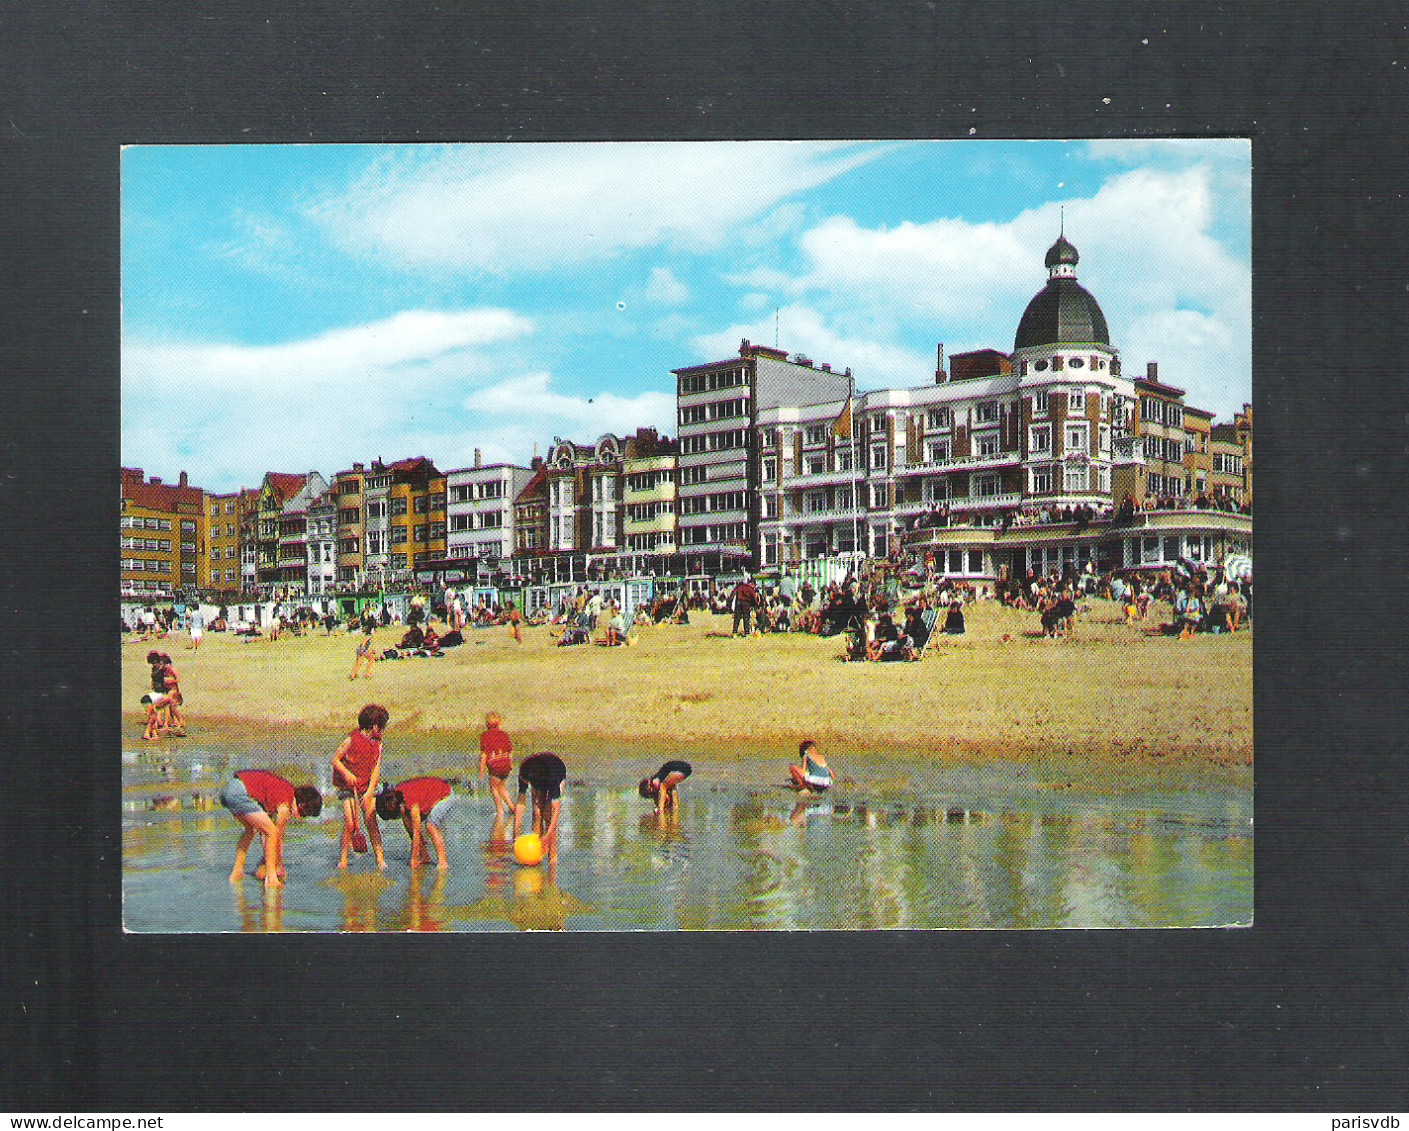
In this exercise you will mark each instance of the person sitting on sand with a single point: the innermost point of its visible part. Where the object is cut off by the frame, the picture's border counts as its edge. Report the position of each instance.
(496, 758)
(431, 641)
(413, 637)
(419, 802)
(545, 774)
(263, 803)
(660, 787)
(888, 644)
(915, 627)
(357, 768)
(954, 618)
(811, 774)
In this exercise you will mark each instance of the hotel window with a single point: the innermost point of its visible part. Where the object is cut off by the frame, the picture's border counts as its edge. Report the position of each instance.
(817, 464)
(816, 502)
(985, 486)
(937, 418)
(937, 451)
(1075, 478)
(878, 459)
(816, 434)
(1039, 438)
(843, 459)
(986, 412)
(843, 498)
(880, 495)
(1077, 438)
(988, 444)
(1040, 481)
(398, 505)
(1040, 402)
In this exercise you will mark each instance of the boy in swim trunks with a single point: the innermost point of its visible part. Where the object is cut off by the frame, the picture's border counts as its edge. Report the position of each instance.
(545, 774)
(419, 801)
(496, 757)
(357, 766)
(263, 803)
(366, 654)
(660, 786)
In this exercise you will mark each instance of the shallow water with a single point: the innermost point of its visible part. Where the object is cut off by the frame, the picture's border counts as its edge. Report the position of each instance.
(897, 844)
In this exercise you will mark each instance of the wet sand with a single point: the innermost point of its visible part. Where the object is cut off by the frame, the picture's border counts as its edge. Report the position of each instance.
(1111, 697)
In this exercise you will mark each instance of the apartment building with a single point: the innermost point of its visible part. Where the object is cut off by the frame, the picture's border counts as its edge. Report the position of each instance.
(163, 532)
(294, 535)
(480, 512)
(349, 486)
(265, 531)
(718, 476)
(649, 498)
(584, 495)
(226, 518)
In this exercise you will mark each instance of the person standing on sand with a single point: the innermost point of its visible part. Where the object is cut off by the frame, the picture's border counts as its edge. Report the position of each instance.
(196, 623)
(515, 622)
(496, 757)
(811, 774)
(545, 774)
(263, 803)
(366, 654)
(357, 766)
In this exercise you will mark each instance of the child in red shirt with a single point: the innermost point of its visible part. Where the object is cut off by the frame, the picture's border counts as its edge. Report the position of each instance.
(496, 752)
(263, 803)
(419, 801)
(356, 771)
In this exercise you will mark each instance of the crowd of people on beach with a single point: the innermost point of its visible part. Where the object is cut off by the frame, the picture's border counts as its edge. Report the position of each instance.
(264, 802)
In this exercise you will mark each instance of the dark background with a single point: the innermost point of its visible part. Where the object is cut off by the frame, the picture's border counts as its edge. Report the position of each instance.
(1306, 1010)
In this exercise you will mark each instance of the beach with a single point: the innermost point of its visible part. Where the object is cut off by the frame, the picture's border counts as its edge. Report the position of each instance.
(1112, 696)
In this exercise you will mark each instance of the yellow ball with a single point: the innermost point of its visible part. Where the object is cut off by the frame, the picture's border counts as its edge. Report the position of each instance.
(528, 849)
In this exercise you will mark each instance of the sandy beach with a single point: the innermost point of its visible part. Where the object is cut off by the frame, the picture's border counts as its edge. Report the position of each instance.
(1112, 695)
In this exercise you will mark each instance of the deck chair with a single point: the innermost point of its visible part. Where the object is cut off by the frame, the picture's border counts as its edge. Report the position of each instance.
(931, 619)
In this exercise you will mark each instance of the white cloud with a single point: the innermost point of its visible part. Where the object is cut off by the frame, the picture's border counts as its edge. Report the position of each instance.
(358, 393)
(528, 405)
(664, 289)
(1170, 290)
(506, 208)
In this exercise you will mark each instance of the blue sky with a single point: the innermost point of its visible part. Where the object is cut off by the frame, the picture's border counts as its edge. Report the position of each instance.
(296, 308)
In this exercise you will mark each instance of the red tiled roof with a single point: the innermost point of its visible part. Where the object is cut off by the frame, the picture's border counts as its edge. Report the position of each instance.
(286, 484)
(532, 485)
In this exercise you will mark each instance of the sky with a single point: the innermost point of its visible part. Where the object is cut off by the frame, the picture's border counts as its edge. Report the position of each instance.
(299, 308)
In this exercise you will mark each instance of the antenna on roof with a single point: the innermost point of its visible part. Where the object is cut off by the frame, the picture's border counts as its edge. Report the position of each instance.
(1062, 228)
(775, 327)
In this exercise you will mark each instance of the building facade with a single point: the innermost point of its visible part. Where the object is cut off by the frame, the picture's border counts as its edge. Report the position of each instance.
(718, 469)
(162, 535)
(480, 512)
(226, 519)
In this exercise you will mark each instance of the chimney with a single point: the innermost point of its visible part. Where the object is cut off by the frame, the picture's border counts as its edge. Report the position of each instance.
(357, 467)
(156, 480)
(1152, 370)
(826, 367)
(939, 375)
(184, 482)
(479, 459)
(536, 462)
(744, 348)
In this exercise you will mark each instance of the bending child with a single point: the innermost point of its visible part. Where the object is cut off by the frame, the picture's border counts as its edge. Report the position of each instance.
(423, 801)
(263, 803)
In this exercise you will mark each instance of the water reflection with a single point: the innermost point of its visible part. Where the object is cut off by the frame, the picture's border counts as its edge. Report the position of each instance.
(967, 851)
